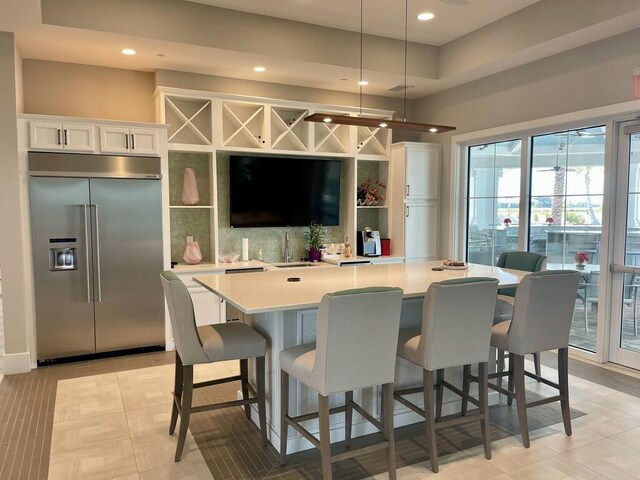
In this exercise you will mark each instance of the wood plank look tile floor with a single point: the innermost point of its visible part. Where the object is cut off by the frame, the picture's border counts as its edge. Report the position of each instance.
(106, 419)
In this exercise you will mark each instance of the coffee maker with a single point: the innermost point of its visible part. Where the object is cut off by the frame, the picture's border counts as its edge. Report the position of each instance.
(369, 243)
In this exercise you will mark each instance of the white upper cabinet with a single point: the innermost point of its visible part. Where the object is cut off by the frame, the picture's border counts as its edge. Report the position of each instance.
(58, 136)
(137, 141)
(422, 172)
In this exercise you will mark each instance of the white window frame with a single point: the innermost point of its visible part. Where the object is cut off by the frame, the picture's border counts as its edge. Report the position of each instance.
(609, 116)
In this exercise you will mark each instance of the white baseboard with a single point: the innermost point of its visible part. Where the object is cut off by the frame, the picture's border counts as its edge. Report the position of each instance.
(16, 363)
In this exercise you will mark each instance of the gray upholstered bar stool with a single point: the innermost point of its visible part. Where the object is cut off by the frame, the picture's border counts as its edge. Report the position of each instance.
(207, 344)
(457, 316)
(525, 261)
(542, 315)
(356, 337)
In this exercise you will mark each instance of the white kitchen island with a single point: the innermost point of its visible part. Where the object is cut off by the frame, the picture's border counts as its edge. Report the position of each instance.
(285, 311)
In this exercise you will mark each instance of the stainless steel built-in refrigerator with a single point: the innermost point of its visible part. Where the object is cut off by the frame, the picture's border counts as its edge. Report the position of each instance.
(96, 232)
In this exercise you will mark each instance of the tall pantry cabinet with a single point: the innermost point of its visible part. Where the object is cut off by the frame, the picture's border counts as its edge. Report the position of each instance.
(416, 173)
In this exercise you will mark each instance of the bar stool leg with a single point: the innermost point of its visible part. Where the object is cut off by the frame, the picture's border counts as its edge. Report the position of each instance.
(483, 397)
(466, 384)
(284, 411)
(500, 366)
(536, 364)
(387, 401)
(325, 440)
(262, 410)
(348, 417)
(177, 390)
(439, 392)
(510, 383)
(563, 381)
(244, 379)
(429, 420)
(185, 413)
(521, 400)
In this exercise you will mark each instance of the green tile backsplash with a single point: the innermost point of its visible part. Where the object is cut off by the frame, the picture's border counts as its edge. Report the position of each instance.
(269, 240)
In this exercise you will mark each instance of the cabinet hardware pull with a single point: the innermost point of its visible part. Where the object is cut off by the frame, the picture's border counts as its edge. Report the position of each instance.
(408, 190)
(66, 136)
(59, 139)
(97, 246)
(407, 211)
(126, 141)
(133, 141)
(86, 252)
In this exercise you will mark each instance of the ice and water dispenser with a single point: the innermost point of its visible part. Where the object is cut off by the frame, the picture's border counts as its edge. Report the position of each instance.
(63, 258)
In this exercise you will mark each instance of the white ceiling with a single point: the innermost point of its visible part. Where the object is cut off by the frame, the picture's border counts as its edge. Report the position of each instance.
(453, 18)
(85, 45)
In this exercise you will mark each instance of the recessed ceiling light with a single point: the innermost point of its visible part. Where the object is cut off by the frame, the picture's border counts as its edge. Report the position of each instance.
(259, 69)
(327, 119)
(363, 83)
(423, 17)
(128, 51)
(433, 130)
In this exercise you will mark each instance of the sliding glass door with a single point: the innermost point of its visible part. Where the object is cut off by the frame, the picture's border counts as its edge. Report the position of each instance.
(624, 345)
(565, 215)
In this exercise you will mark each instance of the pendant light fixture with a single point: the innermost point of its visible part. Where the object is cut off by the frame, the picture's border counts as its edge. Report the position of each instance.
(379, 122)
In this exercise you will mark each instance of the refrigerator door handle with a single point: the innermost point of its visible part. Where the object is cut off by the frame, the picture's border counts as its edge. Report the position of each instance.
(86, 252)
(97, 244)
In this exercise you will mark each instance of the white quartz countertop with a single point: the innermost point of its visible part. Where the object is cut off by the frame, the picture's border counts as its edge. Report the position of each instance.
(269, 291)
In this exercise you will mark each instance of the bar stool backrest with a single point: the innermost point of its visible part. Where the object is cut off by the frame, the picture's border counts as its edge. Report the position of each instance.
(183, 320)
(527, 261)
(356, 338)
(543, 311)
(457, 316)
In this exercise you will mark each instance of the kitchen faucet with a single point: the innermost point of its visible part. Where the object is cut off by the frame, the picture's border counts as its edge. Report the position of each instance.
(287, 250)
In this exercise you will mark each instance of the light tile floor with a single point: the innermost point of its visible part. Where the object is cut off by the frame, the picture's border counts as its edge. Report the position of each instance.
(115, 426)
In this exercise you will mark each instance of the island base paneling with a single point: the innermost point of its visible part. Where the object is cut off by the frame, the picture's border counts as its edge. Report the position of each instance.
(284, 329)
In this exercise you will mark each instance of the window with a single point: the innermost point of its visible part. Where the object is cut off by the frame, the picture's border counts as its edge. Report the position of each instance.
(493, 207)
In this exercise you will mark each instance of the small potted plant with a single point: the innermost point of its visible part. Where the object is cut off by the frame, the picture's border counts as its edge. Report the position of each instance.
(581, 258)
(370, 192)
(549, 221)
(314, 236)
(507, 222)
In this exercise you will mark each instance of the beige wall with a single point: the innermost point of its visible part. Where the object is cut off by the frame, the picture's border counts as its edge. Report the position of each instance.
(12, 241)
(19, 90)
(54, 88)
(595, 75)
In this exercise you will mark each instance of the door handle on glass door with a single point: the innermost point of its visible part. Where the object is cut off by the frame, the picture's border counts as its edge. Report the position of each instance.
(86, 252)
(97, 243)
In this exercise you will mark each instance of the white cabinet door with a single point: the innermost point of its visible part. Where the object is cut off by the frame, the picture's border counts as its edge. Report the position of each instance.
(143, 141)
(206, 306)
(422, 173)
(114, 140)
(137, 141)
(421, 231)
(49, 136)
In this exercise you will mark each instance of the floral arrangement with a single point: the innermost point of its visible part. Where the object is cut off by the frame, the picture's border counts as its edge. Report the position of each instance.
(581, 258)
(369, 193)
(507, 222)
(550, 220)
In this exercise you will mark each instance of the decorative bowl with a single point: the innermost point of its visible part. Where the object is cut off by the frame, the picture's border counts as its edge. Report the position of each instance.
(229, 257)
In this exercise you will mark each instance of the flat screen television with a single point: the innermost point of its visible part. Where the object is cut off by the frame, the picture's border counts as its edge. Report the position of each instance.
(284, 191)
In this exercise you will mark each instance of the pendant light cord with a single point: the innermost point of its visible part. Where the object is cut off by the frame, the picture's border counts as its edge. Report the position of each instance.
(360, 82)
(406, 22)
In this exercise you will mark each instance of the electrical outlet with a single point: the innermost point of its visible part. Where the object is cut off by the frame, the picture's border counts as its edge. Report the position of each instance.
(189, 239)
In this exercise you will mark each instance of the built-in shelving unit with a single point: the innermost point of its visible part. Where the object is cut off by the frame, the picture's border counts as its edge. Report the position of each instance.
(205, 127)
